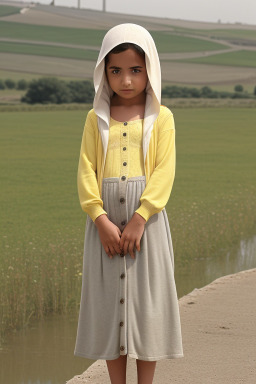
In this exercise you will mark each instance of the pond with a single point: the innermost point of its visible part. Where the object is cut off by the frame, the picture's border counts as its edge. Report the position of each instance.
(43, 353)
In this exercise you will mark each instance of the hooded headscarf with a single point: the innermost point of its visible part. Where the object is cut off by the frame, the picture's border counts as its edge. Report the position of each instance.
(127, 33)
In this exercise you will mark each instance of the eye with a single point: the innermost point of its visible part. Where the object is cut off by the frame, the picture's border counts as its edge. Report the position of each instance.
(115, 71)
(136, 70)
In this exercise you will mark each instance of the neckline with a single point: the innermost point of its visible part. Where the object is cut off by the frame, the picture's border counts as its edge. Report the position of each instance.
(126, 121)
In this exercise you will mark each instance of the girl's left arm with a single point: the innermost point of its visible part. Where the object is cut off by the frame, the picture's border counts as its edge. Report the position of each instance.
(158, 189)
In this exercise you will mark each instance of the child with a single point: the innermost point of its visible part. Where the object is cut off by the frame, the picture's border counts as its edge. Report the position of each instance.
(126, 170)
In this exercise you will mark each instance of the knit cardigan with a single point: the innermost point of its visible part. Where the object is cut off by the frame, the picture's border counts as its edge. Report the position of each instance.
(159, 165)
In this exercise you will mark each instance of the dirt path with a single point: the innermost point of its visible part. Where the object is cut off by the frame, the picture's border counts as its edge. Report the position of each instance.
(219, 332)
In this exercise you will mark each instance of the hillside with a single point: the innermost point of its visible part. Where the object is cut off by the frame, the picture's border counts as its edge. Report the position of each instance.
(41, 40)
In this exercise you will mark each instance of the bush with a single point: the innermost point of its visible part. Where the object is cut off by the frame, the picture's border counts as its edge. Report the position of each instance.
(2, 84)
(10, 83)
(81, 91)
(238, 88)
(22, 84)
(47, 90)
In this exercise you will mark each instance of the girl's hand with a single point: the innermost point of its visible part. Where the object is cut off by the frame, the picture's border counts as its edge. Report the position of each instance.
(109, 235)
(132, 234)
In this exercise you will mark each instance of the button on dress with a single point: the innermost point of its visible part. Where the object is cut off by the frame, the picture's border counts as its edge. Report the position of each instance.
(128, 306)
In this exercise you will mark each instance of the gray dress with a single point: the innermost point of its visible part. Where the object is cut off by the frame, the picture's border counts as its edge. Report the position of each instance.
(129, 306)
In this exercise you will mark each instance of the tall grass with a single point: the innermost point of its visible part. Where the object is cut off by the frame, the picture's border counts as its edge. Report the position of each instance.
(212, 204)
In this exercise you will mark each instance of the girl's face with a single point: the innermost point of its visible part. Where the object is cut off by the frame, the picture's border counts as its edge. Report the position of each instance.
(127, 76)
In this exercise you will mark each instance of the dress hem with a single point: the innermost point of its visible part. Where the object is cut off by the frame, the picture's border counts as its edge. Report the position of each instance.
(131, 355)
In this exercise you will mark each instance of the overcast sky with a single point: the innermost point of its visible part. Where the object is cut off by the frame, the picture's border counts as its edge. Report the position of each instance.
(243, 11)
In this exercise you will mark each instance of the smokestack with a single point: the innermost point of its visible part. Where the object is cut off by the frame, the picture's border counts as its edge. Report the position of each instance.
(104, 5)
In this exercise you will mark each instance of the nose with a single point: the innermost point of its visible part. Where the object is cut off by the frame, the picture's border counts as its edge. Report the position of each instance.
(126, 80)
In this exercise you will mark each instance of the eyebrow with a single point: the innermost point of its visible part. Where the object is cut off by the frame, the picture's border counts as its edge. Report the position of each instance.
(135, 67)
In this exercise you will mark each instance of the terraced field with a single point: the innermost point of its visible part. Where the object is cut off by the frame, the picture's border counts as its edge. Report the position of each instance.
(59, 41)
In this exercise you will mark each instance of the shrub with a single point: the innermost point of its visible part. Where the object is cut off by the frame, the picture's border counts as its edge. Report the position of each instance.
(10, 83)
(22, 84)
(2, 84)
(47, 90)
(81, 91)
(238, 88)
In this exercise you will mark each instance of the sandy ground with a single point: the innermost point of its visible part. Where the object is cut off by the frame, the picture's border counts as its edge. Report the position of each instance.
(219, 332)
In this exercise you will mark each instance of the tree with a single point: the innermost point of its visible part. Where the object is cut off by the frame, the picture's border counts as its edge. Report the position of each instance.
(22, 84)
(81, 91)
(2, 85)
(47, 90)
(239, 88)
(10, 83)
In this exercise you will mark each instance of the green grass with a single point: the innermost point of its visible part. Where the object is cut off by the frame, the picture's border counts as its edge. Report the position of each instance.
(165, 41)
(48, 50)
(212, 204)
(169, 42)
(241, 58)
(53, 34)
(239, 35)
(4, 74)
(234, 34)
(6, 10)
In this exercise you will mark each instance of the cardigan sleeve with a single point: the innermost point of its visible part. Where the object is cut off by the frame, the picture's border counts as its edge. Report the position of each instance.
(158, 188)
(88, 189)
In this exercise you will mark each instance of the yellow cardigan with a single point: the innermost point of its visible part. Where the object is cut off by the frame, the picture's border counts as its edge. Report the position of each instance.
(160, 166)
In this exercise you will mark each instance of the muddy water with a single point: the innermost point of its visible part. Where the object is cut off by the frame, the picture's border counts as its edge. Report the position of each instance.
(43, 354)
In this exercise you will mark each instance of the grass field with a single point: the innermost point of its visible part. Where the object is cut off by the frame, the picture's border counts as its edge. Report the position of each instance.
(241, 58)
(47, 50)
(165, 41)
(42, 58)
(5, 74)
(212, 204)
(6, 10)
(238, 35)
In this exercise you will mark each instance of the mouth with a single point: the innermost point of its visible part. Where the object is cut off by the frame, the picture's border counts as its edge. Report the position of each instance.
(126, 90)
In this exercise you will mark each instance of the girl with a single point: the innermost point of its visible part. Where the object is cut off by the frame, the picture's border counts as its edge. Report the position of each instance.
(129, 304)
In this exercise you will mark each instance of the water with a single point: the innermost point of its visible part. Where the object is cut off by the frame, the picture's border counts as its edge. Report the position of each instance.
(43, 354)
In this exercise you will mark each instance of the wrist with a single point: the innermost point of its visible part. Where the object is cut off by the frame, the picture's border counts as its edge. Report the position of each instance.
(139, 218)
(100, 219)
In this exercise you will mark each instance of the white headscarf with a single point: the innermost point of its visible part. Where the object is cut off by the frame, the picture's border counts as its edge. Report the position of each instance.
(127, 33)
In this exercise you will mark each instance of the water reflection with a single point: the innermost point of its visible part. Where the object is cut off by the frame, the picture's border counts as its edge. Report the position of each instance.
(43, 354)
(202, 271)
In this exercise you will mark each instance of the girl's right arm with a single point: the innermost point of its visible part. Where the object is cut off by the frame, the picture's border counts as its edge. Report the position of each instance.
(87, 184)
(88, 191)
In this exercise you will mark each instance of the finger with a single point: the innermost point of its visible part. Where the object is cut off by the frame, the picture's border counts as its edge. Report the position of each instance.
(108, 252)
(125, 247)
(117, 249)
(138, 245)
(131, 249)
(121, 242)
(112, 250)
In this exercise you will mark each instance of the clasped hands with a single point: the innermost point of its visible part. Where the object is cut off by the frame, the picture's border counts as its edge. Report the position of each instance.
(114, 241)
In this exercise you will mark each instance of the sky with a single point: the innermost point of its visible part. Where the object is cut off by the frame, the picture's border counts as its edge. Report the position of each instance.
(227, 11)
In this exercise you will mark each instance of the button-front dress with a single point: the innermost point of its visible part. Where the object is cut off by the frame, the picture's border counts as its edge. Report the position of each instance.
(128, 306)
